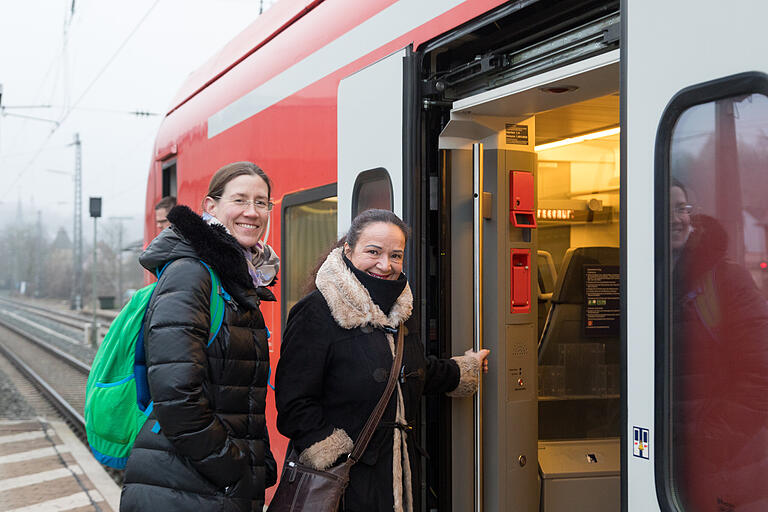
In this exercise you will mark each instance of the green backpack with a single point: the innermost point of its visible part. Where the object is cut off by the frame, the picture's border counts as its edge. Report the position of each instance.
(117, 401)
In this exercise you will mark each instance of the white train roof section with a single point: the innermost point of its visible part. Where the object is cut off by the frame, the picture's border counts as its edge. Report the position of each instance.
(382, 28)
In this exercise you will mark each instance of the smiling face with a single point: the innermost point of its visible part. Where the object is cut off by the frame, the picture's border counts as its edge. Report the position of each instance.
(245, 222)
(379, 250)
(680, 218)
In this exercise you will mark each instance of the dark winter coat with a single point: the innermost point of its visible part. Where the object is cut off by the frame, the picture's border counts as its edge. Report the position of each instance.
(334, 364)
(212, 452)
(720, 365)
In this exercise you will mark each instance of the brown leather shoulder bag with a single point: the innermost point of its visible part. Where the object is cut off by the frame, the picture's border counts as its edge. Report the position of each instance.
(304, 489)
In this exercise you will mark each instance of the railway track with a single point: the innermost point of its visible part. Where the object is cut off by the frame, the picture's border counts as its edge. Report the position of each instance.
(58, 375)
(47, 467)
(63, 324)
(77, 318)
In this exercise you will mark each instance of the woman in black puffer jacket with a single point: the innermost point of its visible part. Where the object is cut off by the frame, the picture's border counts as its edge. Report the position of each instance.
(335, 359)
(212, 451)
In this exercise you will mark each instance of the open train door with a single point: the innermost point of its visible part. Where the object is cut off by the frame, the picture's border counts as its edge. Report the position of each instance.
(695, 178)
(531, 168)
(370, 139)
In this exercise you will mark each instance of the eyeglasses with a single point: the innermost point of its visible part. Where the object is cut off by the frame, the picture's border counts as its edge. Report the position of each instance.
(683, 209)
(265, 206)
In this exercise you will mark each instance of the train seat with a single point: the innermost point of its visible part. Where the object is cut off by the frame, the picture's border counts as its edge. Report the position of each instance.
(547, 277)
(565, 320)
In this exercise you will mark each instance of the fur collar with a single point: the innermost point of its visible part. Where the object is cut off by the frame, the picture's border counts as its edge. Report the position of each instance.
(350, 303)
(213, 245)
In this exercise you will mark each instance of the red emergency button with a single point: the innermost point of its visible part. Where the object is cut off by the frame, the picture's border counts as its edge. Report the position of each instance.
(520, 382)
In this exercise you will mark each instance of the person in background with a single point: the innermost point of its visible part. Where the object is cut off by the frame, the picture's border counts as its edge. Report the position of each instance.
(720, 365)
(335, 359)
(211, 452)
(161, 212)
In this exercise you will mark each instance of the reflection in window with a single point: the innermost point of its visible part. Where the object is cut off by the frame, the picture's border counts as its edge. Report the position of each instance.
(309, 230)
(373, 189)
(719, 318)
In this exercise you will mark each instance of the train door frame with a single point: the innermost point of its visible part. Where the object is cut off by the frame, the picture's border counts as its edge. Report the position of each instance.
(371, 98)
(601, 66)
(425, 193)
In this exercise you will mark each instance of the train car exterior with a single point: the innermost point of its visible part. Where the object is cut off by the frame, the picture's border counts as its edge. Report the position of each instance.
(578, 174)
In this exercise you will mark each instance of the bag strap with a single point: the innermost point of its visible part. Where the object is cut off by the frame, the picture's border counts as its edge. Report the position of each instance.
(218, 297)
(373, 420)
(216, 303)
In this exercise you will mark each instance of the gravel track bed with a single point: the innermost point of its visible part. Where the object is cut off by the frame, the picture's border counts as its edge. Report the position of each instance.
(13, 405)
(66, 380)
(19, 398)
(82, 352)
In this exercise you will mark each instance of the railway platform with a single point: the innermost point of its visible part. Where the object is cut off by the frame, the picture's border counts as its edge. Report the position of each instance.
(44, 467)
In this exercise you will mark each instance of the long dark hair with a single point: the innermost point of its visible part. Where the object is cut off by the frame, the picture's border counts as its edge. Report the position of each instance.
(359, 223)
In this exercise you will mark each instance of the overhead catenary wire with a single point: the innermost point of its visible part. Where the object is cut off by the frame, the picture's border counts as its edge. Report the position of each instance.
(59, 62)
(72, 107)
(109, 62)
(137, 113)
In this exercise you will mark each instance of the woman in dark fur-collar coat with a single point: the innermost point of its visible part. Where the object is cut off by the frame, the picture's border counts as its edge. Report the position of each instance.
(335, 361)
(212, 450)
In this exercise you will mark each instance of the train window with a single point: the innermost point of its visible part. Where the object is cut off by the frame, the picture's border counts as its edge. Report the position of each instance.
(712, 227)
(577, 149)
(169, 178)
(373, 189)
(309, 229)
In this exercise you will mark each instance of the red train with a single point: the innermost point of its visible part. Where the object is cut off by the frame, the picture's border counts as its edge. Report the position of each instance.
(532, 146)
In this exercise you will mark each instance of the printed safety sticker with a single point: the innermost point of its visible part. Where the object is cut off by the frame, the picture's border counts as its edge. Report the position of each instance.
(641, 447)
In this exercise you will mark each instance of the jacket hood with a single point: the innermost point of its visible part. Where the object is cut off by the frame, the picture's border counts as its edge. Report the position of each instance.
(349, 301)
(191, 237)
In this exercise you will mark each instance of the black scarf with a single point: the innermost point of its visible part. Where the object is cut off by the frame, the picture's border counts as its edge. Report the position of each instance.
(384, 292)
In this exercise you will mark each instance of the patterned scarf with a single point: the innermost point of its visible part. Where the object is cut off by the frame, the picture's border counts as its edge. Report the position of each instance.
(263, 263)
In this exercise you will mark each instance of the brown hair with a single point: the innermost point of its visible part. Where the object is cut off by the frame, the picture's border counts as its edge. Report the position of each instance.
(167, 203)
(232, 171)
(359, 223)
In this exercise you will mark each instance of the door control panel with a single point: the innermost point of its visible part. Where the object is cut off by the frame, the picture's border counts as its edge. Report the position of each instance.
(520, 276)
(521, 199)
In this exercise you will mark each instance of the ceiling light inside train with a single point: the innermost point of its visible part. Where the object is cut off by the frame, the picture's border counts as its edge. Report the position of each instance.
(581, 138)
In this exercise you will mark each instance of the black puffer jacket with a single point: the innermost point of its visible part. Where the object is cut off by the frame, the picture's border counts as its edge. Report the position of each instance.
(212, 452)
(334, 364)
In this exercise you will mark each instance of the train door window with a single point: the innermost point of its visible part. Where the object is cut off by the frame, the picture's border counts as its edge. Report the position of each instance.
(169, 178)
(577, 148)
(712, 228)
(309, 229)
(373, 189)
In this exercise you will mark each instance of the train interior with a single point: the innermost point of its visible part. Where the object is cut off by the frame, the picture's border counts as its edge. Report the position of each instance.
(547, 149)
